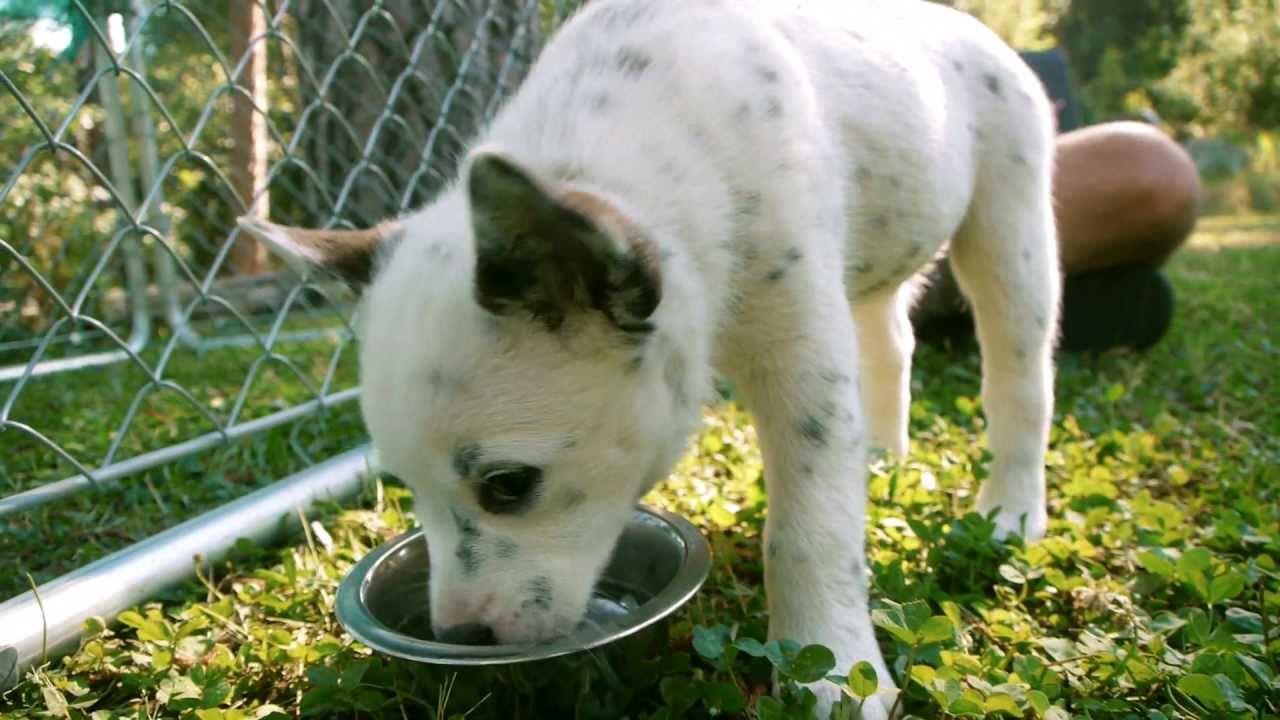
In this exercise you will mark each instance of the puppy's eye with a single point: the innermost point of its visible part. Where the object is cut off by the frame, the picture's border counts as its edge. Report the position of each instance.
(508, 490)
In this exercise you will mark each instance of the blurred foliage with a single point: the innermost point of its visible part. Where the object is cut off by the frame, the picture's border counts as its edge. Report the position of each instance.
(1209, 71)
(1204, 66)
(1024, 24)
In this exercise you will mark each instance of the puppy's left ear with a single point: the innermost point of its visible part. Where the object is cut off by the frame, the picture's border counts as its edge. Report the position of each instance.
(553, 254)
(346, 254)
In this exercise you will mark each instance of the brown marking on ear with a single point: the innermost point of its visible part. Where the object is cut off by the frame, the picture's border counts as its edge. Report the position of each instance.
(608, 218)
(348, 254)
(635, 283)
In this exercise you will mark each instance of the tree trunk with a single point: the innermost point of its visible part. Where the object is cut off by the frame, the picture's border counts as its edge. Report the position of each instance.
(249, 126)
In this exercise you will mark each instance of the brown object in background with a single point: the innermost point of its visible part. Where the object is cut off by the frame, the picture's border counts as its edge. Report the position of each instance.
(249, 127)
(1124, 194)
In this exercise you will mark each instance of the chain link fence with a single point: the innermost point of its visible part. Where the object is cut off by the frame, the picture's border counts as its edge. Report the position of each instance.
(141, 335)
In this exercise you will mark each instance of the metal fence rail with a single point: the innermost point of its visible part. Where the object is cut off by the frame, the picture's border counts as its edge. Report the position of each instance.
(137, 327)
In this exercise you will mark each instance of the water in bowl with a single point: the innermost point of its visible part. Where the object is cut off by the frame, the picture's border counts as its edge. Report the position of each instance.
(404, 606)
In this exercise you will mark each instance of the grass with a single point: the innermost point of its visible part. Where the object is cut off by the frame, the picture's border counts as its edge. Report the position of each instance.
(1155, 595)
(84, 412)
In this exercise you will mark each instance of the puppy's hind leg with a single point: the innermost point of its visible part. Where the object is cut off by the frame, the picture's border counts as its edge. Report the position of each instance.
(1006, 262)
(885, 344)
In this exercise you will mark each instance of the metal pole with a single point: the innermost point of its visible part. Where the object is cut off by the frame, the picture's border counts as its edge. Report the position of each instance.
(37, 496)
(30, 634)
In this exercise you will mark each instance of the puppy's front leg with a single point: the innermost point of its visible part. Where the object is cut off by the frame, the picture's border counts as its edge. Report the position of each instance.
(805, 399)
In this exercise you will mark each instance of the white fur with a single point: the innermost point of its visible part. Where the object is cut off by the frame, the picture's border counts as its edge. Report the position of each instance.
(796, 164)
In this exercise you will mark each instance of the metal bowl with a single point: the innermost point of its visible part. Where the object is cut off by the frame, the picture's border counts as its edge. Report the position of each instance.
(660, 561)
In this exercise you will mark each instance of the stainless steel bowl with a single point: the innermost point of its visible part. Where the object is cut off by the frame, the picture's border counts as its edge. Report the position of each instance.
(660, 561)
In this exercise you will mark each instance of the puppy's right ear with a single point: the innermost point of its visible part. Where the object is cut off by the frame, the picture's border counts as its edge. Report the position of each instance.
(348, 255)
(551, 253)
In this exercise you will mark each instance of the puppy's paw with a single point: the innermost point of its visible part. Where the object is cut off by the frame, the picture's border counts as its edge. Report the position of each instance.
(829, 697)
(1015, 515)
(1028, 523)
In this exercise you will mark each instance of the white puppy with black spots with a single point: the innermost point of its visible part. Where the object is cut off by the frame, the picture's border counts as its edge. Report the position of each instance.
(686, 188)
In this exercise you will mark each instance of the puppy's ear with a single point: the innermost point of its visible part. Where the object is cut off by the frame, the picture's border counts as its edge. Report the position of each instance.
(553, 254)
(346, 254)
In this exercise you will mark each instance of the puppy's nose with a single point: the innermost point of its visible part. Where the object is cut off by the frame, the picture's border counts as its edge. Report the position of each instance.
(468, 634)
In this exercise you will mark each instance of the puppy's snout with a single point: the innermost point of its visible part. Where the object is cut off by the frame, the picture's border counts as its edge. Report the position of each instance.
(468, 634)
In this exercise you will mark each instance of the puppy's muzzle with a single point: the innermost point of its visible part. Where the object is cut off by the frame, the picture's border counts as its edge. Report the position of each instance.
(468, 634)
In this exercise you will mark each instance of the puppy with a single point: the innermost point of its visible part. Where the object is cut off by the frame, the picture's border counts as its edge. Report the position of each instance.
(688, 188)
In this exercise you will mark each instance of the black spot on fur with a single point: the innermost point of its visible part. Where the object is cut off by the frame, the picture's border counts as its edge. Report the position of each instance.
(814, 430)
(835, 377)
(993, 84)
(792, 256)
(468, 558)
(839, 413)
(466, 526)
(539, 599)
(505, 549)
(957, 65)
(635, 363)
(767, 74)
(747, 252)
(806, 470)
(743, 112)
(625, 15)
(573, 498)
(746, 203)
(773, 107)
(674, 376)
(470, 536)
(600, 101)
(632, 62)
(565, 171)
(669, 168)
(1018, 158)
(465, 458)
(438, 252)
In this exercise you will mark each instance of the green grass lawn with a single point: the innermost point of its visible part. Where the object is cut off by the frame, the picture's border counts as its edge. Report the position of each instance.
(1155, 595)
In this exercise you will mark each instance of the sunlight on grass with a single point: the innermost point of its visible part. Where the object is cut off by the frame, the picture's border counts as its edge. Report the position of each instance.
(1155, 595)
(1236, 232)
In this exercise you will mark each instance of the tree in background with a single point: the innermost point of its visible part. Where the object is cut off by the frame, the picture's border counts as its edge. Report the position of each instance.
(248, 170)
(1227, 79)
(1024, 24)
(1116, 48)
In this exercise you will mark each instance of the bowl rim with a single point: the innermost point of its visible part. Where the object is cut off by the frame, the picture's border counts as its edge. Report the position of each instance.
(355, 617)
